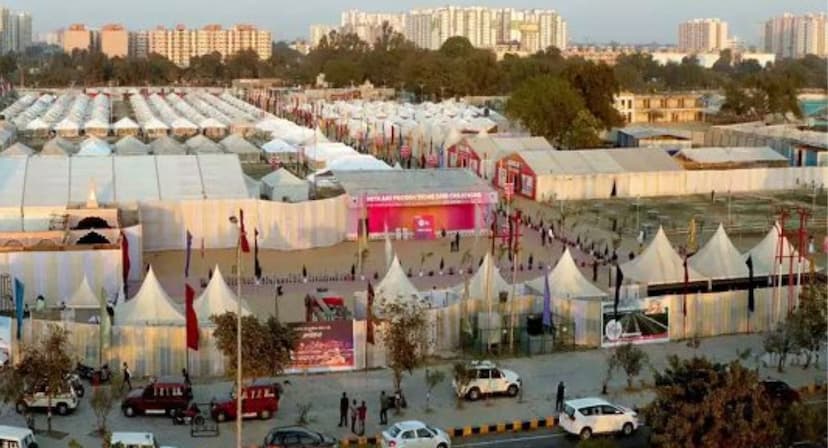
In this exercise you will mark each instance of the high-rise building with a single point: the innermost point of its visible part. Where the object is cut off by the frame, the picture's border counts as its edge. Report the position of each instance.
(15, 31)
(138, 46)
(703, 35)
(114, 41)
(368, 26)
(790, 36)
(180, 44)
(76, 37)
(317, 32)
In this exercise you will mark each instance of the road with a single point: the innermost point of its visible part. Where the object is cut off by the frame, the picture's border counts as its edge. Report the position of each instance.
(545, 439)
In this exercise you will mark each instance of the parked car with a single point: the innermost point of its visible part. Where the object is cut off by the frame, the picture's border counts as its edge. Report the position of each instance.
(297, 437)
(260, 399)
(587, 416)
(17, 437)
(164, 396)
(414, 434)
(63, 402)
(136, 440)
(488, 379)
(780, 392)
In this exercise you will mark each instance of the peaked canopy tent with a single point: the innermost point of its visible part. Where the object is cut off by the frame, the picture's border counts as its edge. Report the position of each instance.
(719, 259)
(167, 146)
(281, 149)
(83, 297)
(131, 146)
(282, 185)
(94, 146)
(155, 128)
(765, 255)
(125, 126)
(96, 127)
(236, 144)
(58, 146)
(217, 298)
(38, 127)
(487, 275)
(181, 127)
(17, 149)
(659, 264)
(395, 287)
(213, 128)
(150, 306)
(567, 281)
(203, 145)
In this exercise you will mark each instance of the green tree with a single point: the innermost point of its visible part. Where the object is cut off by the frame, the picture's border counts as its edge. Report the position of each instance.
(631, 360)
(265, 346)
(809, 321)
(403, 332)
(433, 378)
(546, 106)
(699, 403)
(597, 86)
(725, 62)
(104, 397)
(583, 133)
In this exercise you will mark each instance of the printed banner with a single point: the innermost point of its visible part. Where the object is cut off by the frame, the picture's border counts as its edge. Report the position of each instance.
(639, 321)
(5, 339)
(424, 227)
(323, 347)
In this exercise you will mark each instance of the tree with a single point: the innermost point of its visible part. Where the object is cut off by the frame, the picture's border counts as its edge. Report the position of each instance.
(803, 422)
(779, 342)
(265, 346)
(631, 360)
(725, 62)
(809, 321)
(583, 133)
(432, 378)
(545, 105)
(699, 403)
(597, 86)
(403, 333)
(43, 365)
(463, 376)
(104, 397)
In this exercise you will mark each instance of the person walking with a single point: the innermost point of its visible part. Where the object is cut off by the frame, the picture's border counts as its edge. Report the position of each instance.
(362, 413)
(353, 416)
(383, 407)
(127, 378)
(186, 376)
(559, 397)
(343, 410)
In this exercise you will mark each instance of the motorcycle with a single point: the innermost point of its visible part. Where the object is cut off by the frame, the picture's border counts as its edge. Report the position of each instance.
(192, 415)
(97, 376)
(77, 386)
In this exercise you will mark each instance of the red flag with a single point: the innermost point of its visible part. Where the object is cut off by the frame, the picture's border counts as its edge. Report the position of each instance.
(245, 246)
(192, 319)
(125, 260)
(369, 327)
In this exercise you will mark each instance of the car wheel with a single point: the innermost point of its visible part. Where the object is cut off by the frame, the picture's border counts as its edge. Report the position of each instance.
(586, 433)
(264, 415)
(62, 409)
(129, 411)
(221, 417)
(474, 394)
(21, 407)
(442, 445)
(512, 391)
(627, 429)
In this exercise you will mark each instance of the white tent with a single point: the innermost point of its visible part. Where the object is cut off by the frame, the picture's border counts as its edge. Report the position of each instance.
(719, 258)
(166, 145)
(217, 298)
(67, 128)
(58, 146)
(765, 254)
(37, 125)
(279, 146)
(236, 144)
(487, 275)
(125, 126)
(203, 145)
(17, 149)
(282, 185)
(254, 187)
(94, 146)
(395, 287)
(567, 281)
(130, 146)
(150, 306)
(83, 297)
(658, 264)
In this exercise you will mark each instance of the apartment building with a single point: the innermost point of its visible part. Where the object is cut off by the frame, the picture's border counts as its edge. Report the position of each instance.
(76, 37)
(790, 36)
(180, 44)
(114, 41)
(703, 35)
(672, 107)
(317, 32)
(15, 31)
(368, 26)
(138, 46)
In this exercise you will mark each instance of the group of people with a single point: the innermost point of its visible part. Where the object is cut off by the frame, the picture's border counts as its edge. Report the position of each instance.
(359, 413)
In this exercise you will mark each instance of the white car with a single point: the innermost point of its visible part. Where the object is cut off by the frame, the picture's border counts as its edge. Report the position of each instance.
(587, 416)
(414, 434)
(17, 437)
(62, 402)
(135, 440)
(488, 379)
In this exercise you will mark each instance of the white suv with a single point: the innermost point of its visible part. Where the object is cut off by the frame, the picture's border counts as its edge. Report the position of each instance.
(588, 416)
(63, 402)
(488, 379)
(135, 440)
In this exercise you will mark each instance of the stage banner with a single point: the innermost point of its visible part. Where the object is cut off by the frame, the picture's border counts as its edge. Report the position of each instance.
(424, 227)
(323, 347)
(5, 339)
(639, 321)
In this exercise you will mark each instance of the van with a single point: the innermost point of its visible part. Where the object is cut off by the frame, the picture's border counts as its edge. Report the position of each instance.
(260, 399)
(135, 440)
(164, 396)
(16, 437)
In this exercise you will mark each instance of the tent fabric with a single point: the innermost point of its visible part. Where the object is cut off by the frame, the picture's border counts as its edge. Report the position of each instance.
(732, 154)
(237, 144)
(179, 178)
(658, 264)
(166, 145)
(201, 144)
(719, 258)
(765, 254)
(154, 124)
(278, 146)
(217, 298)
(83, 297)
(567, 281)
(37, 125)
(127, 169)
(487, 275)
(395, 286)
(282, 183)
(150, 306)
(125, 123)
(221, 176)
(94, 146)
(84, 172)
(254, 187)
(131, 146)
(17, 149)
(58, 146)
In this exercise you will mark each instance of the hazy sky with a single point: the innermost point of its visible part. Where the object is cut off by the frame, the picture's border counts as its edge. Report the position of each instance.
(628, 21)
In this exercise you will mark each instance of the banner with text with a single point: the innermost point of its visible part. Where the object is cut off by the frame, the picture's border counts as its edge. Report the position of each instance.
(323, 347)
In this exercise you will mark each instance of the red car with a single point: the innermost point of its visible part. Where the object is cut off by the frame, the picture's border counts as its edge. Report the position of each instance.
(164, 396)
(260, 399)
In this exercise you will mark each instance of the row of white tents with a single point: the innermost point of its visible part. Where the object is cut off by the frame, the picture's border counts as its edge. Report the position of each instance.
(191, 113)
(65, 114)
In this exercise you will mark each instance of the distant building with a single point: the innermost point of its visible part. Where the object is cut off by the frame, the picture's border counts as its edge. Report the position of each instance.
(138, 44)
(703, 35)
(790, 36)
(673, 107)
(317, 32)
(76, 37)
(302, 46)
(180, 44)
(607, 55)
(15, 31)
(640, 137)
(114, 41)
(368, 26)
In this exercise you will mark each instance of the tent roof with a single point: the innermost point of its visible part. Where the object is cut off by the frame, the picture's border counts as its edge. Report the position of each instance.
(58, 146)
(478, 283)
(658, 263)
(732, 154)
(766, 251)
(17, 149)
(166, 145)
(130, 145)
(96, 124)
(37, 124)
(67, 125)
(395, 285)
(201, 142)
(217, 298)
(567, 281)
(278, 145)
(154, 124)
(83, 297)
(94, 146)
(212, 123)
(150, 306)
(182, 123)
(125, 123)
(282, 177)
(719, 258)
(238, 144)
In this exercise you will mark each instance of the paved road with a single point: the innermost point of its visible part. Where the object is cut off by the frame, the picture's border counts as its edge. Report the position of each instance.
(546, 439)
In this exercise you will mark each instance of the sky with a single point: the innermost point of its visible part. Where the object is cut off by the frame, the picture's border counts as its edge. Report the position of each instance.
(589, 21)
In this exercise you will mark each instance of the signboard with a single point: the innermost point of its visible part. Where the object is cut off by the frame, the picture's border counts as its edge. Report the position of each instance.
(460, 196)
(5, 339)
(424, 227)
(323, 347)
(640, 321)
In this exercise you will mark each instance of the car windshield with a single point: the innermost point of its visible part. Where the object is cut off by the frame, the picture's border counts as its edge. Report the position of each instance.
(570, 411)
(394, 431)
(432, 429)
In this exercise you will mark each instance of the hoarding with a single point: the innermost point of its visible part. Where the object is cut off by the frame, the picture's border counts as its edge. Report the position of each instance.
(639, 321)
(323, 347)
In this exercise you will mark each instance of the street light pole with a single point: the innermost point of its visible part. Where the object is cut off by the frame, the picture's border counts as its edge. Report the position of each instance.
(235, 221)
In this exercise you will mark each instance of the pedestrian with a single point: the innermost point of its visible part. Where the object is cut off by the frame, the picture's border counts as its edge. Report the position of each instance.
(362, 412)
(595, 270)
(343, 410)
(559, 397)
(383, 407)
(186, 376)
(543, 238)
(353, 416)
(457, 241)
(127, 378)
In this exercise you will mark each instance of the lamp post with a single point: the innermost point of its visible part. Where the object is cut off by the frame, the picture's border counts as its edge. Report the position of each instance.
(235, 222)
